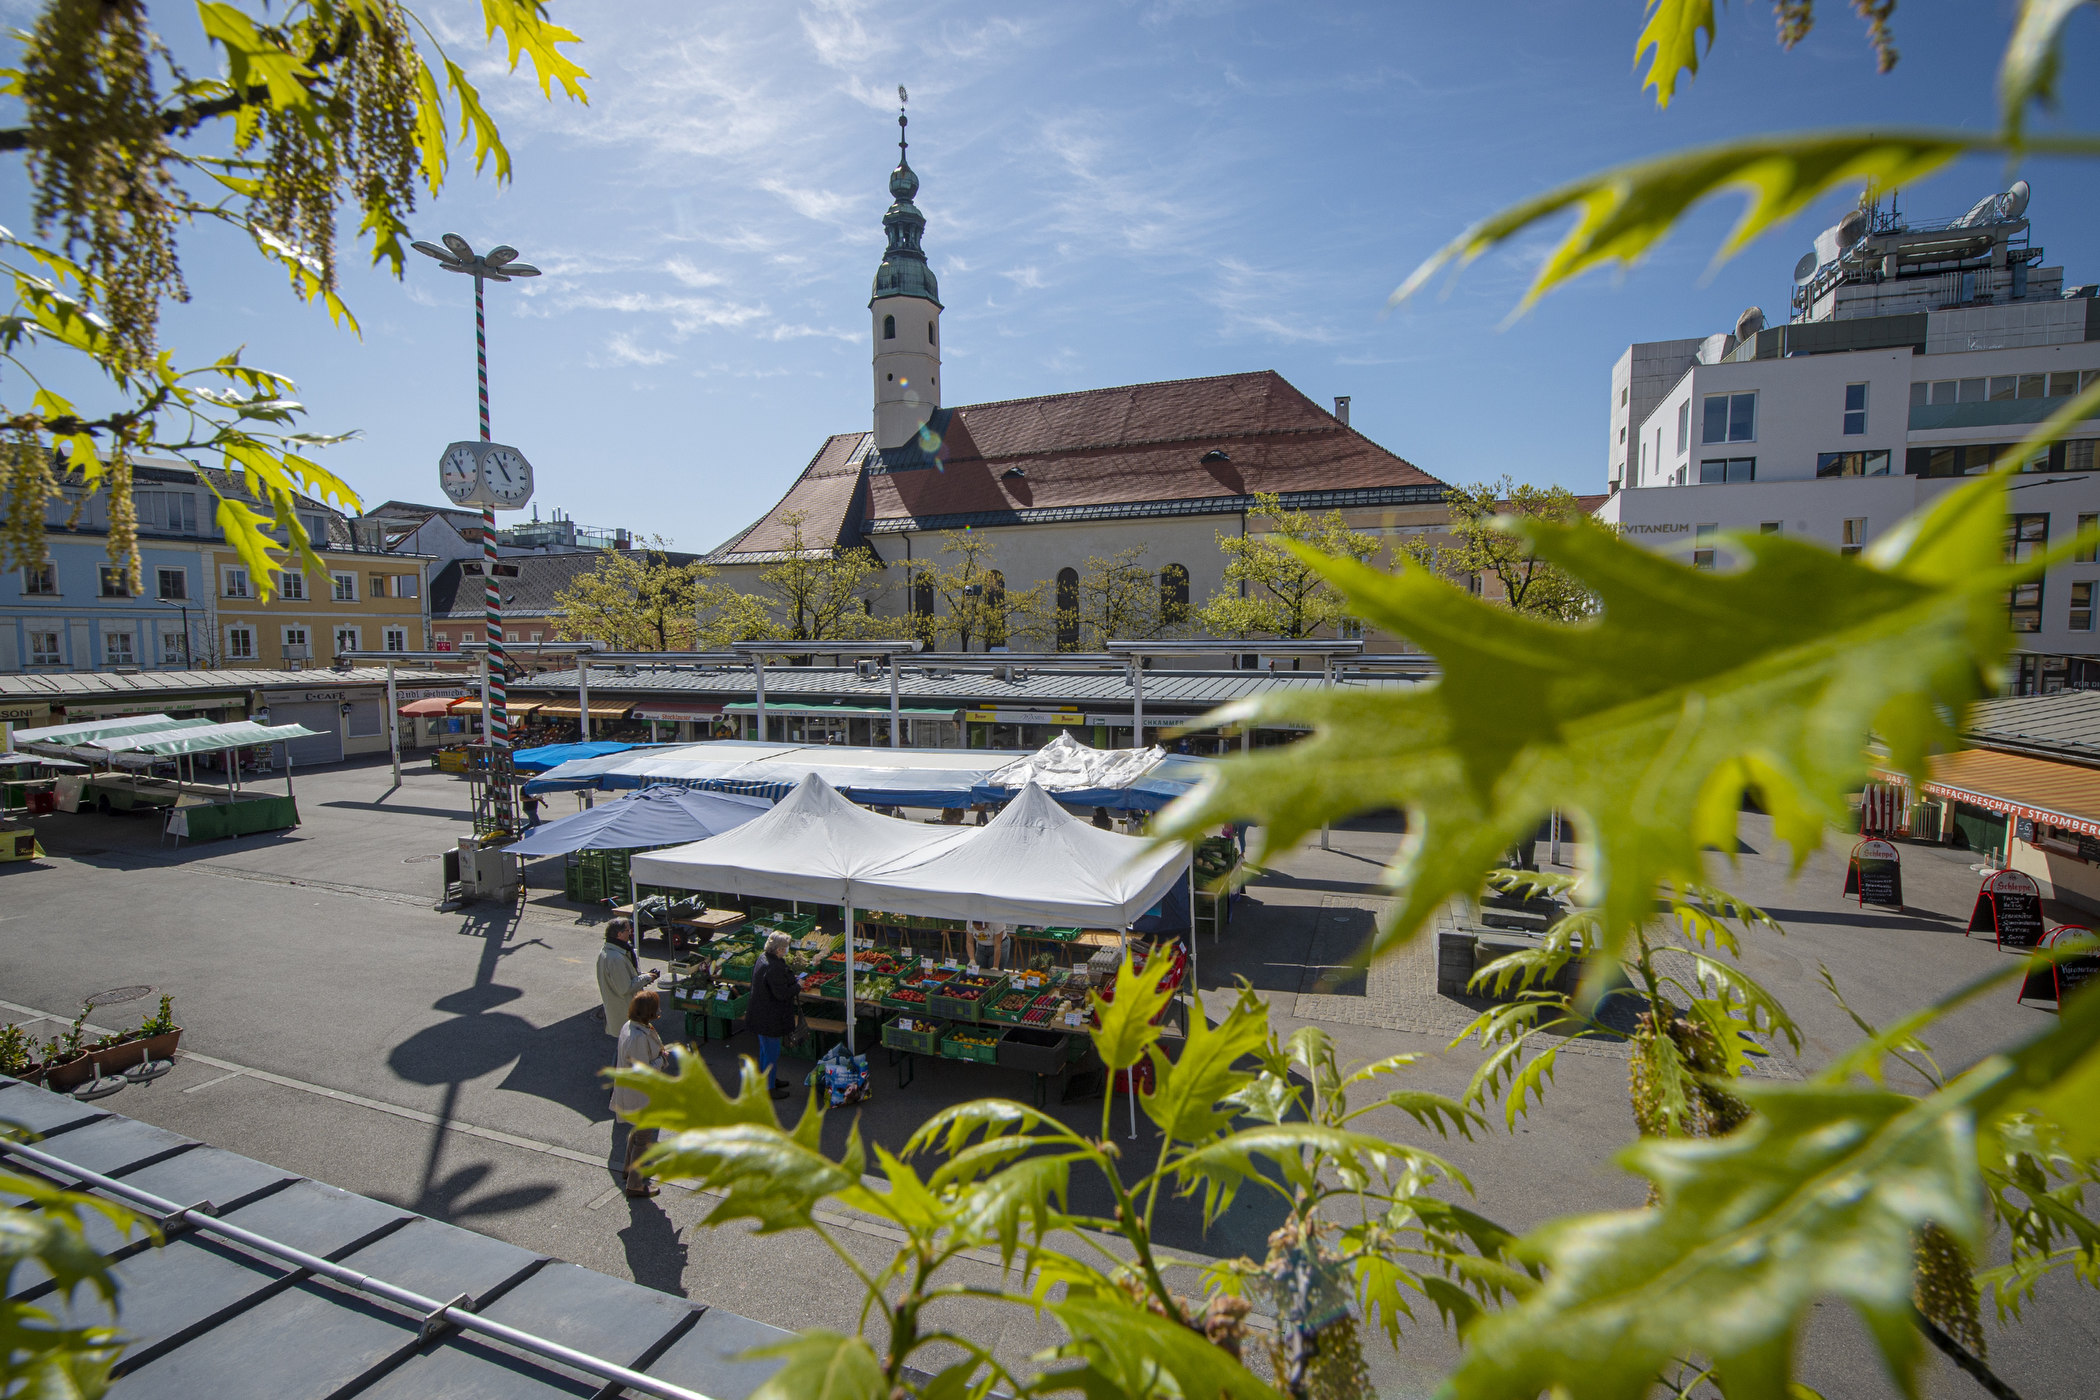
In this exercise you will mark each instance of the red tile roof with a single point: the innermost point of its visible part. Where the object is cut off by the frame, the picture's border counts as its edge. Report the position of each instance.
(828, 496)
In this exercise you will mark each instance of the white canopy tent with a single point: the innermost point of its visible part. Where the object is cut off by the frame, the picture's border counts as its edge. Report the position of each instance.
(1034, 863)
(86, 731)
(1064, 764)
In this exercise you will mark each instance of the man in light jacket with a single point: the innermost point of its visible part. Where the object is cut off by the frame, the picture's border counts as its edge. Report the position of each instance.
(618, 977)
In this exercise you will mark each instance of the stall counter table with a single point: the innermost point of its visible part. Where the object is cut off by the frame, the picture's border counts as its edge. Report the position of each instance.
(243, 816)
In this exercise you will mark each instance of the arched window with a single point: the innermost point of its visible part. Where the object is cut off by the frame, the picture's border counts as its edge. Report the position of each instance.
(929, 334)
(922, 597)
(995, 609)
(889, 328)
(1173, 595)
(1067, 609)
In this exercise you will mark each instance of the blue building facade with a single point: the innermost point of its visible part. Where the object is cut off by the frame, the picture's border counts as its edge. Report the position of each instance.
(79, 612)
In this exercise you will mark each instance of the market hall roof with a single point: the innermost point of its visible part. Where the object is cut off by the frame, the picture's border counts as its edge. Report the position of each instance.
(157, 687)
(2063, 725)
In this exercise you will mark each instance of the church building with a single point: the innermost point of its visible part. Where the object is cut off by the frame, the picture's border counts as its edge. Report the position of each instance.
(1054, 480)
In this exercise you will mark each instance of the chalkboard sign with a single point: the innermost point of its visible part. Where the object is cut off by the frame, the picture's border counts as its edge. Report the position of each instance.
(2009, 907)
(2074, 972)
(2078, 954)
(2088, 848)
(1875, 874)
(2023, 827)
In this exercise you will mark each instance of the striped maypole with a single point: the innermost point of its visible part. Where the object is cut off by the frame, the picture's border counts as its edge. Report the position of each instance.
(491, 592)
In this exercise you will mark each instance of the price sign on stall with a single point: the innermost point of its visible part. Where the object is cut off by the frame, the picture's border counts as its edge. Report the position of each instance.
(1875, 874)
(2009, 907)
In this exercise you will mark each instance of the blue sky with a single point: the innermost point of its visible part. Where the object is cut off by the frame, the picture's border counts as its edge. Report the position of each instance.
(1115, 192)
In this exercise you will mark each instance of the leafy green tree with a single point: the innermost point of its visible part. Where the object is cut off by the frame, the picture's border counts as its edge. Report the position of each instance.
(818, 594)
(1118, 598)
(972, 601)
(638, 600)
(1271, 588)
(1480, 546)
(320, 102)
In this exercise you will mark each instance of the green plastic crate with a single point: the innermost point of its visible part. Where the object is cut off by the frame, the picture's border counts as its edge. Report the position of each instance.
(925, 1041)
(963, 1007)
(952, 1049)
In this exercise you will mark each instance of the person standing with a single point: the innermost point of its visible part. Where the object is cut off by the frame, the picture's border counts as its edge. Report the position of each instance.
(639, 1046)
(771, 1014)
(619, 977)
(532, 810)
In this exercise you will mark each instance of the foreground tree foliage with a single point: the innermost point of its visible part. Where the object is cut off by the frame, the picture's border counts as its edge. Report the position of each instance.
(40, 1357)
(320, 102)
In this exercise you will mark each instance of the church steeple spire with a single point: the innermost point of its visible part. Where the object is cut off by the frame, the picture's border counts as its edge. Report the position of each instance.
(903, 272)
(905, 312)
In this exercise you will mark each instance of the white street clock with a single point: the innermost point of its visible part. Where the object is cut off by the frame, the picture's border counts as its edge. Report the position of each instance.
(485, 473)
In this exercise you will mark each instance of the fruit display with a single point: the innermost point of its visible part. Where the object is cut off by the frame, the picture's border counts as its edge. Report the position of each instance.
(813, 981)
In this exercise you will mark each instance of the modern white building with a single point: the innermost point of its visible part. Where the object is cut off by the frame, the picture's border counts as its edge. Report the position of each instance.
(1918, 353)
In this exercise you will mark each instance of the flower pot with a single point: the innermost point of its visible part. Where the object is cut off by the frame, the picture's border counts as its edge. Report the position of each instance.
(30, 1074)
(115, 1059)
(70, 1074)
(162, 1047)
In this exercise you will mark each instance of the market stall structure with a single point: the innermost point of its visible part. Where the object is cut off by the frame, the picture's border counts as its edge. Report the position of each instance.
(128, 752)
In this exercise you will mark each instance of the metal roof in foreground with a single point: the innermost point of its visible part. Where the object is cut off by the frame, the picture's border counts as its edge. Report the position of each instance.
(210, 1317)
(61, 687)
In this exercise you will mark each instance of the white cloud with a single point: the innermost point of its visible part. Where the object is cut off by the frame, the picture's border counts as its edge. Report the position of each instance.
(621, 350)
(1030, 277)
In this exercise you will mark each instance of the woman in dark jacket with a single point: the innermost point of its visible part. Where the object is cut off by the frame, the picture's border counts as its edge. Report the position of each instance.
(772, 1011)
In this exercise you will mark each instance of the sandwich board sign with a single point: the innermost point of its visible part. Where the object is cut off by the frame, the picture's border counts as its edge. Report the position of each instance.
(2008, 907)
(1875, 874)
(2076, 963)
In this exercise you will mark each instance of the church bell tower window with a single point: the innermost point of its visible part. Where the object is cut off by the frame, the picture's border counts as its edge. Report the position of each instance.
(889, 328)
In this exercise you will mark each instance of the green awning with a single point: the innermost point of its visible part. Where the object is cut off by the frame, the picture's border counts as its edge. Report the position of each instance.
(88, 731)
(239, 734)
(747, 707)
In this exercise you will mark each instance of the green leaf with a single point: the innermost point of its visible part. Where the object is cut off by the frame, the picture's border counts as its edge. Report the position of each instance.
(433, 141)
(1193, 1098)
(2028, 70)
(474, 118)
(1672, 32)
(994, 1208)
(251, 58)
(821, 1365)
(1140, 1354)
(1126, 1031)
(524, 23)
(1648, 723)
(1222, 1167)
(1624, 211)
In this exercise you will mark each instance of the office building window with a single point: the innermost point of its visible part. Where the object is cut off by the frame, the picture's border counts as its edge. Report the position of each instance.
(2023, 607)
(2082, 606)
(1729, 418)
(43, 649)
(2034, 386)
(1852, 463)
(291, 584)
(1684, 427)
(173, 584)
(236, 582)
(316, 527)
(116, 649)
(406, 585)
(377, 585)
(294, 637)
(1714, 470)
(173, 511)
(345, 640)
(114, 582)
(1855, 409)
(40, 580)
(345, 587)
(2026, 536)
(1703, 545)
(240, 644)
(1953, 461)
(2063, 383)
(2004, 387)
(1854, 536)
(397, 639)
(2089, 552)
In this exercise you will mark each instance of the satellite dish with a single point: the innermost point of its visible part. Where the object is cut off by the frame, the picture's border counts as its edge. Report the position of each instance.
(1806, 268)
(1985, 211)
(2015, 199)
(1851, 229)
(1749, 323)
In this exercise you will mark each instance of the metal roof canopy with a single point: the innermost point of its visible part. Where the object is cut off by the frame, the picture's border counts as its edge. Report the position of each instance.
(888, 648)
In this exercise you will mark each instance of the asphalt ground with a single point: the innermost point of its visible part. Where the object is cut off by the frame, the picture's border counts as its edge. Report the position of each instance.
(339, 1026)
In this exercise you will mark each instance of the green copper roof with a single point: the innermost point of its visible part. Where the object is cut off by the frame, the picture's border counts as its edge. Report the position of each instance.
(904, 272)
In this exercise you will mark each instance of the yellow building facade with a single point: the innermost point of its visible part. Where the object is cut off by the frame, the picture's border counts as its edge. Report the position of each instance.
(365, 600)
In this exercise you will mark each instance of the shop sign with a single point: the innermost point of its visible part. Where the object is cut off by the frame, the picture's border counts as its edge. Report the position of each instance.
(407, 693)
(2073, 970)
(2009, 907)
(28, 716)
(2062, 821)
(148, 705)
(679, 712)
(1674, 529)
(1875, 874)
(1027, 717)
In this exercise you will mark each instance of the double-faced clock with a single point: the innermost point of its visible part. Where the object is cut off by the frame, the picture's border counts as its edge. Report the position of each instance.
(485, 473)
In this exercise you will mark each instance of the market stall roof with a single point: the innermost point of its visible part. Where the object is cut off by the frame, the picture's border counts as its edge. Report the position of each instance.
(8, 759)
(558, 710)
(1034, 863)
(2062, 794)
(1080, 775)
(87, 731)
(657, 816)
(436, 706)
(815, 846)
(539, 760)
(875, 776)
(210, 738)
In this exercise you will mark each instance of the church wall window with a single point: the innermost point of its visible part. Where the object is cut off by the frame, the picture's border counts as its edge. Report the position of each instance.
(1174, 594)
(1067, 609)
(995, 610)
(889, 328)
(929, 334)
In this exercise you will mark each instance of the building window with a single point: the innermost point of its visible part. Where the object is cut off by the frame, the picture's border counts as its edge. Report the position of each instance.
(396, 639)
(1622, 435)
(173, 584)
(1854, 538)
(405, 586)
(294, 637)
(236, 582)
(2023, 606)
(1715, 470)
(292, 585)
(346, 640)
(2063, 383)
(1475, 584)
(43, 649)
(376, 586)
(345, 586)
(40, 580)
(2082, 606)
(1684, 427)
(116, 649)
(1703, 545)
(929, 334)
(174, 649)
(173, 511)
(1622, 396)
(240, 644)
(922, 597)
(889, 328)
(1350, 629)
(1067, 609)
(1852, 463)
(2089, 552)
(1855, 409)
(1174, 595)
(114, 581)
(1771, 527)
(2026, 536)
(316, 527)
(1729, 418)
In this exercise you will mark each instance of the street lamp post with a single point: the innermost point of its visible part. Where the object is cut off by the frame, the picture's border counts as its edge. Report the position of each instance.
(184, 604)
(499, 264)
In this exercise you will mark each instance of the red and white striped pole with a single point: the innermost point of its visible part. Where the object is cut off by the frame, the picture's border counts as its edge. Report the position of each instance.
(498, 726)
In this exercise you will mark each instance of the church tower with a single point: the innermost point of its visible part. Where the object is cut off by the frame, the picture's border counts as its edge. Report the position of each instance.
(905, 314)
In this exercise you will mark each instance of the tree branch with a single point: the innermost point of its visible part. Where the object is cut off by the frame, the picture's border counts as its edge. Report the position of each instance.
(1959, 1355)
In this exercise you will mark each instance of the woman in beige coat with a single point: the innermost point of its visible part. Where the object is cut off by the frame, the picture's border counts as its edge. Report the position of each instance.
(639, 1046)
(618, 977)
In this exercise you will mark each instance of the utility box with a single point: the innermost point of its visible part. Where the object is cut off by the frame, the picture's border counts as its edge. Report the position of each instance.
(484, 872)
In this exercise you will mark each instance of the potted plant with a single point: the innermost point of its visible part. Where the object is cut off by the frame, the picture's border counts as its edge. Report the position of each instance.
(66, 1065)
(159, 1034)
(18, 1055)
(116, 1052)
